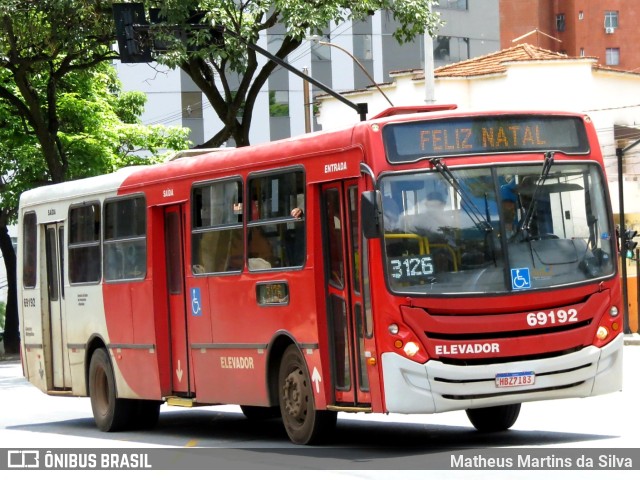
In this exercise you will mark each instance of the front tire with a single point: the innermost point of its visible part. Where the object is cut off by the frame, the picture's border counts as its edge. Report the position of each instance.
(494, 419)
(110, 413)
(303, 423)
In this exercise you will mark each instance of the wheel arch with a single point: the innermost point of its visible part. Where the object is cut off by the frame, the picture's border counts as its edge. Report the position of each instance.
(279, 343)
(95, 342)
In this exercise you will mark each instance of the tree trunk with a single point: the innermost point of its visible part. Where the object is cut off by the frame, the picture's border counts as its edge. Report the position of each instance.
(11, 326)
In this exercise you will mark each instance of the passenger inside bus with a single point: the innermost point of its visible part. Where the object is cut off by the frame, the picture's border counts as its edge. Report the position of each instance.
(294, 237)
(278, 240)
(260, 251)
(219, 250)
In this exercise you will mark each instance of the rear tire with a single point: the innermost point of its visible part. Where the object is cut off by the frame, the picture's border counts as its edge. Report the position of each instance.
(494, 419)
(303, 423)
(110, 413)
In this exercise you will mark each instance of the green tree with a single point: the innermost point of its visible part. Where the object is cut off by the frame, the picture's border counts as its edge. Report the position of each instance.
(3, 307)
(231, 75)
(62, 114)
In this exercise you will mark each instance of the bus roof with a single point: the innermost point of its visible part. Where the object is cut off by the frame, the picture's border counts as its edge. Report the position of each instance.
(254, 157)
(102, 184)
(323, 145)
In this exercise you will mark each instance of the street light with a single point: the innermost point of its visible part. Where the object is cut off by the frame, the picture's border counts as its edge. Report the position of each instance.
(316, 39)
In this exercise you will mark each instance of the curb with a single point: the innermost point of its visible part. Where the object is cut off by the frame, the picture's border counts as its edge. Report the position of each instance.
(632, 339)
(9, 358)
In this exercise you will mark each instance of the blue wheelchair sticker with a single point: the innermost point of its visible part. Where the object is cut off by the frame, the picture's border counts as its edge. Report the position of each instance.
(520, 278)
(196, 303)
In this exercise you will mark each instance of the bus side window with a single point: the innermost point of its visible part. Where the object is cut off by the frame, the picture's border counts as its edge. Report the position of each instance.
(84, 243)
(125, 239)
(217, 234)
(30, 246)
(276, 226)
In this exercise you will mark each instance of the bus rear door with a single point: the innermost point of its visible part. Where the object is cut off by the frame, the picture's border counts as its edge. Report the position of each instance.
(180, 361)
(349, 338)
(54, 248)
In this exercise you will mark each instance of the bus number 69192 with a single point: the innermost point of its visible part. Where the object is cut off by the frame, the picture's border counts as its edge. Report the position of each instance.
(552, 317)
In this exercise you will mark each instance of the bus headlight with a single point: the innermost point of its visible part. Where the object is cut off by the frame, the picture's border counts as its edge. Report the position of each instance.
(602, 333)
(613, 311)
(411, 348)
(393, 329)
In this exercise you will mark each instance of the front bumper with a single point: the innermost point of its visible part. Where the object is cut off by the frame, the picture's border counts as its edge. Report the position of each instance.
(437, 387)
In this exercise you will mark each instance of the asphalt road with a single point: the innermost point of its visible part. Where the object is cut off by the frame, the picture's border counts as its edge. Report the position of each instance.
(364, 446)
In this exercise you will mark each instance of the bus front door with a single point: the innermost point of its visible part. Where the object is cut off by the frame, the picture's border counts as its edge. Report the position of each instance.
(54, 250)
(350, 334)
(180, 361)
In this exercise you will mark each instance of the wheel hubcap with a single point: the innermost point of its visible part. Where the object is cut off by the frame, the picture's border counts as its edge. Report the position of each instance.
(295, 402)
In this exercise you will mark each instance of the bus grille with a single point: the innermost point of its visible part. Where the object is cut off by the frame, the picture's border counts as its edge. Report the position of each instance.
(503, 394)
(509, 334)
(518, 358)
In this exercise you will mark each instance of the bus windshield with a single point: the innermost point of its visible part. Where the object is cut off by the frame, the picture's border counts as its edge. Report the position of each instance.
(496, 229)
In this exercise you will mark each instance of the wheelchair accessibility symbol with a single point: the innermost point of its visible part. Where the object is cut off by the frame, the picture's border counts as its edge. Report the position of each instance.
(196, 303)
(520, 278)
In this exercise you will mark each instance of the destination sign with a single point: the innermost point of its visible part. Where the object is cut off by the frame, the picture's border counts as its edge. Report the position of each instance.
(410, 141)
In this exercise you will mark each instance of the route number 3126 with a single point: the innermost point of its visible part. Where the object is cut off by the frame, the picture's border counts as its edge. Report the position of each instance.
(552, 317)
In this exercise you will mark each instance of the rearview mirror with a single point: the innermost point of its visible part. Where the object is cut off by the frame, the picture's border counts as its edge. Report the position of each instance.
(370, 213)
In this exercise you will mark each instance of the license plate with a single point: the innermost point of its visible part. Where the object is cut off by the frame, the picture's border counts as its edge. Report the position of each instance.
(515, 379)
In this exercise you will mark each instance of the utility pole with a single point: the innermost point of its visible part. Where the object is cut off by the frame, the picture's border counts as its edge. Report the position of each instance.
(307, 104)
(429, 67)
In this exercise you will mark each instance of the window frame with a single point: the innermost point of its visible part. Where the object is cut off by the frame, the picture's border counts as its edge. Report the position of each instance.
(610, 55)
(198, 230)
(611, 19)
(274, 222)
(443, 45)
(30, 250)
(130, 239)
(84, 244)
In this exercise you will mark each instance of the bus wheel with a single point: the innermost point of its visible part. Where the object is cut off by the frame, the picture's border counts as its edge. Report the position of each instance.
(110, 413)
(260, 413)
(494, 419)
(303, 423)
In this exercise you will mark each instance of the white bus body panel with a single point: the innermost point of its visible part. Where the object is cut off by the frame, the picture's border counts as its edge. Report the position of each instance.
(83, 312)
(412, 387)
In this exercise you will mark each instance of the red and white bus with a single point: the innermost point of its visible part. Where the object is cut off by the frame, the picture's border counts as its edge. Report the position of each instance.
(425, 260)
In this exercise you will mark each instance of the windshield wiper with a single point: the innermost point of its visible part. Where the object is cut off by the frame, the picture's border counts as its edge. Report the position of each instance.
(470, 208)
(525, 226)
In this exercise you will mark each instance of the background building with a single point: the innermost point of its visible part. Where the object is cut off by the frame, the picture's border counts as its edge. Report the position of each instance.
(606, 29)
(471, 29)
